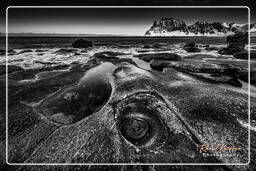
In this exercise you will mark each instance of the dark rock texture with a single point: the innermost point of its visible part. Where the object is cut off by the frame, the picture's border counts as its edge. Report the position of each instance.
(158, 65)
(146, 46)
(237, 40)
(159, 56)
(30, 73)
(25, 51)
(235, 43)
(244, 76)
(81, 43)
(11, 68)
(219, 73)
(191, 47)
(244, 55)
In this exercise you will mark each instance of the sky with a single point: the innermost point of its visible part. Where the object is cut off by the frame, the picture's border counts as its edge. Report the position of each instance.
(116, 21)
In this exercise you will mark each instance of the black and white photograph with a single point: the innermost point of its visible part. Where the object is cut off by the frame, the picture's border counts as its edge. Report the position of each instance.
(128, 88)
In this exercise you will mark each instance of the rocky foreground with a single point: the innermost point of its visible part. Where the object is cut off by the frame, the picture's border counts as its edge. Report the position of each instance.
(111, 110)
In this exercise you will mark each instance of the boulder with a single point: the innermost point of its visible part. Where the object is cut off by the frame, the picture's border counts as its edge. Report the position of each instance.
(229, 50)
(244, 55)
(159, 56)
(235, 43)
(191, 47)
(237, 40)
(81, 43)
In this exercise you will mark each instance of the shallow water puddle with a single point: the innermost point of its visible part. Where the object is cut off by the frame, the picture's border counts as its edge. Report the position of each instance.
(141, 64)
(75, 103)
(99, 71)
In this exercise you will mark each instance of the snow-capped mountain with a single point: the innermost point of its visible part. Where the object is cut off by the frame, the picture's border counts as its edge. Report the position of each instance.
(177, 27)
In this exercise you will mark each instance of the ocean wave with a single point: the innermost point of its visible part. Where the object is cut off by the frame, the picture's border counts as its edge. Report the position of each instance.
(36, 58)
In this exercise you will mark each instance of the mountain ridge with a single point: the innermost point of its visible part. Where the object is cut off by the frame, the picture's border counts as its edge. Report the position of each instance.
(177, 27)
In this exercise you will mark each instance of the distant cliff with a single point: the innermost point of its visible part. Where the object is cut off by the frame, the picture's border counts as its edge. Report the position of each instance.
(177, 27)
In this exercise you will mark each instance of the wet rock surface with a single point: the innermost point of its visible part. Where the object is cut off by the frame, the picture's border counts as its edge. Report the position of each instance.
(111, 111)
(113, 57)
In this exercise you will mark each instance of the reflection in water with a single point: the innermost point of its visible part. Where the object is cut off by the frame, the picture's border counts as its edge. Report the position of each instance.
(99, 71)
